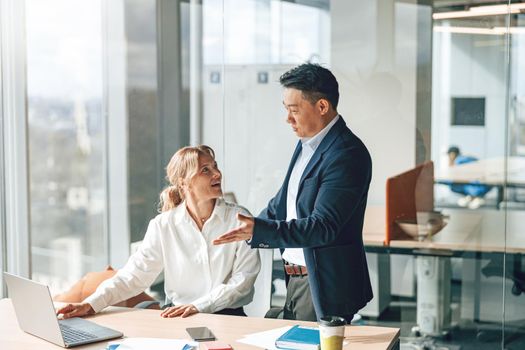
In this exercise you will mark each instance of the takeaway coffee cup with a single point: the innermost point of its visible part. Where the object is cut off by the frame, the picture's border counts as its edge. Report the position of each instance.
(332, 332)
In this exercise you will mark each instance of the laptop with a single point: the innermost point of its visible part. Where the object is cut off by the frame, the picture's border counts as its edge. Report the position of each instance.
(36, 315)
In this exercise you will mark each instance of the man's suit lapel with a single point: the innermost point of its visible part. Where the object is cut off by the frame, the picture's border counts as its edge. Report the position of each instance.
(296, 153)
(282, 202)
(323, 147)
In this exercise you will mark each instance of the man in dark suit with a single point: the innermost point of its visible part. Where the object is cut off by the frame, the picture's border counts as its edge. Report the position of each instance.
(316, 218)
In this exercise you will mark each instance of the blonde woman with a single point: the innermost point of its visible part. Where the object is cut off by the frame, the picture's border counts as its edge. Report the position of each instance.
(199, 276)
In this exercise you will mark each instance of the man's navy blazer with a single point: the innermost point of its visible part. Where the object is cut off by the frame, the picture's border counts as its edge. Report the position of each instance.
(331, 205)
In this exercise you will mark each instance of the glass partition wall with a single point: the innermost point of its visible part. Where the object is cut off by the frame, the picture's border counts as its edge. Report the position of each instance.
(418, 80)
(513, 275)
(435, 89)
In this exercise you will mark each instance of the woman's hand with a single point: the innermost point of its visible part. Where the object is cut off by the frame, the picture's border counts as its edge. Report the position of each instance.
(76, 310)
(181, 310)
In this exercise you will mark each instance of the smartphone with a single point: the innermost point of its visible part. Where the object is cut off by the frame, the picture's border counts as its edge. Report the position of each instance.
(200, 333)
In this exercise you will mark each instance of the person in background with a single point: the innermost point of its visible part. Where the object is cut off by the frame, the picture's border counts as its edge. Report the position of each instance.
(472, 194)
(199, 276)
(317, 216)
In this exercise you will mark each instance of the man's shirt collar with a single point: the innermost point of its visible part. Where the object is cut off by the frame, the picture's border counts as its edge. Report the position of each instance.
(313, 142)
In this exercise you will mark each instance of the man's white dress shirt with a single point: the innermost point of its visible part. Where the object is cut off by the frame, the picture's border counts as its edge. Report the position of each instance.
(211, 277)
(309, 145)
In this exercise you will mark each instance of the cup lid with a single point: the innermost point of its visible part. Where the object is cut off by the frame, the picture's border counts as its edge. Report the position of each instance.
(332, 321)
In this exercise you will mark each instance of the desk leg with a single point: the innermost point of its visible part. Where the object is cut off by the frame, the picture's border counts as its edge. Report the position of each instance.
(499, 197)
(433, 294)
(477, 286)
(470, 288)
(396, 345)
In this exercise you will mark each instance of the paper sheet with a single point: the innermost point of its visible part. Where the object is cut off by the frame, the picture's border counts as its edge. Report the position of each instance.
(156, 343)
(264, 339)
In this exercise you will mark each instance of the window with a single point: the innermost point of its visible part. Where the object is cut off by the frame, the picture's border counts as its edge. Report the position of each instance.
(66, 140)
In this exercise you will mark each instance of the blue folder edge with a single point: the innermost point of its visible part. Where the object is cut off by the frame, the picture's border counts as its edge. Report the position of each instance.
(299, 335)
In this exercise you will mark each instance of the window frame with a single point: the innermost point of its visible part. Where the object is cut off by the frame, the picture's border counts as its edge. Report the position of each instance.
(116, 114)
(15, 224)
(2, 178)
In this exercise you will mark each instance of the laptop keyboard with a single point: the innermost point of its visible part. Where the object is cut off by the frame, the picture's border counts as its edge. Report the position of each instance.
(73, 335)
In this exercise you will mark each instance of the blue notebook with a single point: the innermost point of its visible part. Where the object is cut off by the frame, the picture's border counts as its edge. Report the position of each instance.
(299, 338)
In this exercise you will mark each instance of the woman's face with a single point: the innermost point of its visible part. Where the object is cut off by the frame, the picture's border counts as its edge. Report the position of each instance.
(206, 184)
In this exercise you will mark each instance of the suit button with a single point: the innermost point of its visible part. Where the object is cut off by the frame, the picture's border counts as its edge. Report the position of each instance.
(261, 245)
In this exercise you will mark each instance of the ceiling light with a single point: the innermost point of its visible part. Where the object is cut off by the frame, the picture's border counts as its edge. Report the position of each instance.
(477, 11)
(465, 30)
(482, 31)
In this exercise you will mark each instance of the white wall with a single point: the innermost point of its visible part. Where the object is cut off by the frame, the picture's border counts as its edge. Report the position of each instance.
(374, 52)
(374, 59)
(467, 65)
(517, 97)
(253, 145)
(249, 133)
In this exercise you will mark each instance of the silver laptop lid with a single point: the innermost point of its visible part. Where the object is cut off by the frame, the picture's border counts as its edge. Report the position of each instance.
(34, 308)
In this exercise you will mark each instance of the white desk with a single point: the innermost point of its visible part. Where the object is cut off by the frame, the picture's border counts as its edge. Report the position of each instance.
(148, 323)
(480, 234)
(490, 171)
(483, 231)
(498, 172)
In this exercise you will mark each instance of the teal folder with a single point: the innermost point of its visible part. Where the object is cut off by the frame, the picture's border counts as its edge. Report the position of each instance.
(299, 338)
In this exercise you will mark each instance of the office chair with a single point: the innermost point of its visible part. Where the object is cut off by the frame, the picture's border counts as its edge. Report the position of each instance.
(514, 330)
(89, 283)
(516, 274)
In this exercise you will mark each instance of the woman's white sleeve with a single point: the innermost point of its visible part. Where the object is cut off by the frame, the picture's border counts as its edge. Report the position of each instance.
(138, 274)
(239, 286)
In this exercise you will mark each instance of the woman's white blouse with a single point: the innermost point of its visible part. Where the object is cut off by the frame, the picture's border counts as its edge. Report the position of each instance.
(195, 271)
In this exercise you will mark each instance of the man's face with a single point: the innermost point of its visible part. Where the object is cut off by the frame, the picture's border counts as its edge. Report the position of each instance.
(304, 117)
(451, 158)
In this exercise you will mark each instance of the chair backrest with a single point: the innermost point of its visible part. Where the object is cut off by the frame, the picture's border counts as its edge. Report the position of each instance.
(90, 282)
(406, 194)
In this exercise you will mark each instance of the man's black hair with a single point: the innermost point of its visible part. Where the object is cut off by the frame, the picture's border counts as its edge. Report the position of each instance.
(314, 81)
(453, 149)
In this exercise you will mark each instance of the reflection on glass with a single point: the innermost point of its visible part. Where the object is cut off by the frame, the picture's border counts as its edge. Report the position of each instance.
(515, 191)
(417, 79)
(475, 145)
(66, 140)
(273, 32)
(469, 94)
(247, 45)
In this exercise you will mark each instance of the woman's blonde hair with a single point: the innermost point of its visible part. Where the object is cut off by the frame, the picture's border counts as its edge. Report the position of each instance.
(182, 166)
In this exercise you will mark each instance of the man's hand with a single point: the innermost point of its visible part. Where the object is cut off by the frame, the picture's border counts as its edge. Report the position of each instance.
(76, 310)
(242, 233)
(181, 310)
